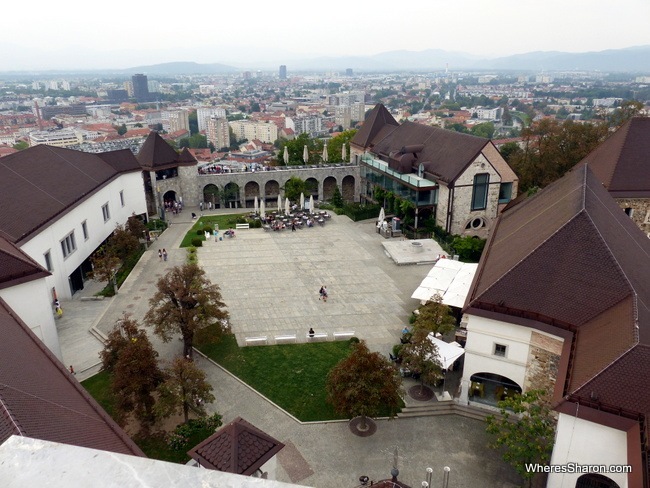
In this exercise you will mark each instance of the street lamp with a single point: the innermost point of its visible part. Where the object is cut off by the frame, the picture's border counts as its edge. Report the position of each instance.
(445, 476)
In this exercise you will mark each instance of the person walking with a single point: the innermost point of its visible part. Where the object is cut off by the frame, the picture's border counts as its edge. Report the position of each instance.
(324, 293)
(320, 292)
(164, 254)
(159, 255)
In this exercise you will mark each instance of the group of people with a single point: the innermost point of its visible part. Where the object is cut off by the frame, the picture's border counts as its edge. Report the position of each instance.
(173, 206)
(162, 255)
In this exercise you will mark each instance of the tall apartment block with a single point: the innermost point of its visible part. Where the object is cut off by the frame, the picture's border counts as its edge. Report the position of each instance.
(283, 72)
(217, 132)
(140, 88)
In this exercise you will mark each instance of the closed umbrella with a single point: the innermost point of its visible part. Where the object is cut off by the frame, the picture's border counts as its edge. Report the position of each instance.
(311, 203)
(256, 204)
(305, 154)
(302, 201)
(343, 153)
(279, 203)
(287, 206)
(286, 156)
(262, 208)
(325, 155)
(382, 215)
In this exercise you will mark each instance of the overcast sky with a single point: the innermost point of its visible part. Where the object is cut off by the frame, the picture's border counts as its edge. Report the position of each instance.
(120, 34)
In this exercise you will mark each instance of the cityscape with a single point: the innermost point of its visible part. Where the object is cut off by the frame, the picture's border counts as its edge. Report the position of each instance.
(490, 214)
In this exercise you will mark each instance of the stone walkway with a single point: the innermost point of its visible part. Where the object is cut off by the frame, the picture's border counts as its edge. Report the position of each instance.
(273, 279)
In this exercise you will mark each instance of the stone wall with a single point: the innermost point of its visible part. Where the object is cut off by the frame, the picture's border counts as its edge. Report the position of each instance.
(640, 208)
(543, 361)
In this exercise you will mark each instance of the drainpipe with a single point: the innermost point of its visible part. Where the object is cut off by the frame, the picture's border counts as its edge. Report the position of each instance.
(450, 199)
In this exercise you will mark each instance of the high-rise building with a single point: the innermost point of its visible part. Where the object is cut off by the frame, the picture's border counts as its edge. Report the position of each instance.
(140, 88)
(176, 120)
(343, 116)
(283, 72)
(349, 72)
(218, 132)
(203, 114)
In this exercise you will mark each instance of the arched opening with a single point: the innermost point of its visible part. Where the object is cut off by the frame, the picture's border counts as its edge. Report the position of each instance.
(169, 197)
(271, 191)
(347, 188)
(312, 188)
(328, 188)
(491, 388)
(211, 197)
(593, 480)
(231, 195)
(251, 190)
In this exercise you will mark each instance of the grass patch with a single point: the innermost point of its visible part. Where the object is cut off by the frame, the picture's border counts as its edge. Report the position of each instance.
(291, 375)
(99, 387)
(223, 221)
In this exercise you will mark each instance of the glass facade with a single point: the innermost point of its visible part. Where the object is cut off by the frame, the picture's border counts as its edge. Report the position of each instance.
(419, 191)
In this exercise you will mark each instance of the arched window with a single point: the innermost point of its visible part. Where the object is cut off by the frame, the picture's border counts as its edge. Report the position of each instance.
(593, 480)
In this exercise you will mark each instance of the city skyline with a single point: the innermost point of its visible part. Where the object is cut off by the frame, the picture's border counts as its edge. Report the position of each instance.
(121, 37)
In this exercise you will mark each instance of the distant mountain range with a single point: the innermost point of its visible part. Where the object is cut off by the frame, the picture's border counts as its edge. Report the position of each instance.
(632, 60)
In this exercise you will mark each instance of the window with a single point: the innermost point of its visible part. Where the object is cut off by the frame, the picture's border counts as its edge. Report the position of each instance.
(48, 261)
(480, 191)
(122, 197)
(505, 192)
(500, 350)
(84, 229)
(68, 245)
(106, 213)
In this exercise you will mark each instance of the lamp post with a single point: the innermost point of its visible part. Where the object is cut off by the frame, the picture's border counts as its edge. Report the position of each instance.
(445, 476)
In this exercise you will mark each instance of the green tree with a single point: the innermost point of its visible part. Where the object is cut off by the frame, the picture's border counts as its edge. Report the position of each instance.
(337, 198)
(135, 226)
(194, 122)
(122, 243)
(186, 302)
(20, 145)
(335, 144)
(525, 430)
(485, 129)
(362, 383)
(121, 130)
(294, 187)
(509, 149)
(468, 248)
(434, 316)
(420, 356)
(627, 110)
(133, 363)
(105, 266)
(184, 389)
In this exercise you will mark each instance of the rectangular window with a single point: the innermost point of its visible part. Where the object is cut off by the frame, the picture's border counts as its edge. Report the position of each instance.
(84, 229)
(505, 192)
(48, 261)
(106, 213)
(68, 245)
(480, 191)
(122, 197)
(500, 350)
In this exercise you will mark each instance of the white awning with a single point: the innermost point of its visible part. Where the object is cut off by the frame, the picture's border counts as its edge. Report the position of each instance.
(448, 278)
(448, 352)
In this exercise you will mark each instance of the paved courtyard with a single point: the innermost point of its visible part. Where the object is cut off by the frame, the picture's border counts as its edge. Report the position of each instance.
(270, 282)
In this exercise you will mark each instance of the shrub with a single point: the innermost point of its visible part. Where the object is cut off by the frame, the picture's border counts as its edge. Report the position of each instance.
(354, 340)
(468, 248)
(255, 223)
(208, 228)
(197, 242)
(191, 249)
(199, 232)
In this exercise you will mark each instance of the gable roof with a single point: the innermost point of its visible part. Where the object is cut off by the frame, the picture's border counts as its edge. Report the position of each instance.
(42, 182)
(156, 154)
(39, 398)
(376, 120)
(569, 257)
(445, 154)
(238, 447)
(622, 162)
(16, 267)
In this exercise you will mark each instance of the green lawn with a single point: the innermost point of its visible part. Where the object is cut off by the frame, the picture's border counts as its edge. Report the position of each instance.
(293, 375)
(224, 222)
(99, 387)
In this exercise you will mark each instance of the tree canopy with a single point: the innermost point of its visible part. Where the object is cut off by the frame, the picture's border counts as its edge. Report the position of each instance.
(362, 383)
(186, 302)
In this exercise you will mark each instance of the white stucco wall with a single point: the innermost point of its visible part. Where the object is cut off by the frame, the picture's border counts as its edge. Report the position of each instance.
(33, 304)
(89, 210)
(582, 442)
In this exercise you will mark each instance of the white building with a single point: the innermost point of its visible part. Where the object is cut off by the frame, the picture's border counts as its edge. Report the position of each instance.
(246, 129)
(56, 137)
(218, 132)
(203, 114)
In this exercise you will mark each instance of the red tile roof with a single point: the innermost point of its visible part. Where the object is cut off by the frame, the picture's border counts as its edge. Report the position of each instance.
(238, 447)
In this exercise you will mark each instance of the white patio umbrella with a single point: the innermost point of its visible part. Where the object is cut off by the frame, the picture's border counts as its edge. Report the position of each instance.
(262, 208)
(325, 155)
(311, 203)
(382, 215)
(279, 203)
(305, 154)
(287, 205)
(302, 201)
(256, 204)
(286, 156)
(343, 153)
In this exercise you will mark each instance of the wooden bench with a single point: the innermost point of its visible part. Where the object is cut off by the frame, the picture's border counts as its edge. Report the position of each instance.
(319, 335)
(287, 337)
(342, 335)
(250, 341)
(242, 226)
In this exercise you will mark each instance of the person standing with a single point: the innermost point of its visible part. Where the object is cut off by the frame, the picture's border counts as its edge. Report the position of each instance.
(320, 292)
(164, 254)
(324, 293)
(159, 255)
(311, 332)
